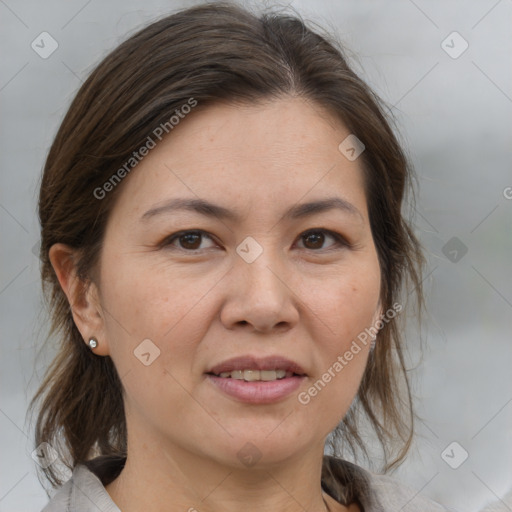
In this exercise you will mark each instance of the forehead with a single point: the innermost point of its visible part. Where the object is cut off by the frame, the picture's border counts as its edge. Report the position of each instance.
(248, 156)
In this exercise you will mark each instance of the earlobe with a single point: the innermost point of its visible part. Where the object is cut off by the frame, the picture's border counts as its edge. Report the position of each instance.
(82, 297)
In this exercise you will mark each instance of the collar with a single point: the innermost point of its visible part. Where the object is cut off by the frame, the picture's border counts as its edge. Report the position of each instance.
(85, 491)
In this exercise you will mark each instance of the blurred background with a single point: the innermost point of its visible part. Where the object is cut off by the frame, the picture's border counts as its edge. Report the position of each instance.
(443, 67)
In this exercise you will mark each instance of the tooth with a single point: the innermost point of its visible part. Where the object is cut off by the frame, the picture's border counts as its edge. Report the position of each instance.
(256, 375)
(268, 374)
(251, 375)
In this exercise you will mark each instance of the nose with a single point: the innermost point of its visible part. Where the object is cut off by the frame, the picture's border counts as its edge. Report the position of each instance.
(260, 296)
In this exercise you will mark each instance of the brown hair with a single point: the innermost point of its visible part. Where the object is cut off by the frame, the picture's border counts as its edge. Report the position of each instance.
(212, 52)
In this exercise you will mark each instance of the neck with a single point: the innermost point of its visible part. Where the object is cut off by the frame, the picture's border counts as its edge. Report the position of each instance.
(174, 479)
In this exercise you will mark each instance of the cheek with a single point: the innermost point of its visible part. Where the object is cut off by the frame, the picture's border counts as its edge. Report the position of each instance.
(146, 303)
(145, 300)
(347, 307)
(345, 311)
(153, 327)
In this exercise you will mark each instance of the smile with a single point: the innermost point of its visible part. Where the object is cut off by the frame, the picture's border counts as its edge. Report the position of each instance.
(256, 375)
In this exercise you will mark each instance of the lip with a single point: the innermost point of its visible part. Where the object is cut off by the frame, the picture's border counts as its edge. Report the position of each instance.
(248, 362)
(257, 392)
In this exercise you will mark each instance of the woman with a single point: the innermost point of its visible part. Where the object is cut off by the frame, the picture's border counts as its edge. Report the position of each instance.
(209, 377)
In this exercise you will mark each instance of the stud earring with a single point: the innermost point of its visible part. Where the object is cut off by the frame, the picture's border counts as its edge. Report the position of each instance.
(93, 343)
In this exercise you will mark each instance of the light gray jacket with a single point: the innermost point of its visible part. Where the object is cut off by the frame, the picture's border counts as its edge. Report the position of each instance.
(85, 492)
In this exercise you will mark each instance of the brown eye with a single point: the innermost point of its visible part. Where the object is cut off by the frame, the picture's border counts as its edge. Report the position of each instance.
(187, 240)
(314, 239)
(190, 240)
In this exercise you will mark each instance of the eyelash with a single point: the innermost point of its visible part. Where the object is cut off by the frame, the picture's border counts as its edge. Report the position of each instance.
(170, 239)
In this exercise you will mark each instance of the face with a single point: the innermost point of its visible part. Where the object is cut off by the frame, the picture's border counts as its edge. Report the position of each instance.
(184, 290)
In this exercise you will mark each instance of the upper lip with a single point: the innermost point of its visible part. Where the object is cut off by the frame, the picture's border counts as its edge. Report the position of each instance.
(249, 362)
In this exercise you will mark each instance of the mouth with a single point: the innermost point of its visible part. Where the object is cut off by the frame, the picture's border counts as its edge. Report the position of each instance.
(250, 368)
(256, 375)
(257, 380)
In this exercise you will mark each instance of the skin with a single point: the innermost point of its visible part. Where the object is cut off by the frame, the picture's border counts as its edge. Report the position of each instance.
(200, 303)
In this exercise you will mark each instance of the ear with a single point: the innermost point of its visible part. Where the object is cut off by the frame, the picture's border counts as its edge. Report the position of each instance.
(83, 297)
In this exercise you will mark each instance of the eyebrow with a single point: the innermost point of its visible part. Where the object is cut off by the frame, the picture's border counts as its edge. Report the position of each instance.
(208, 209)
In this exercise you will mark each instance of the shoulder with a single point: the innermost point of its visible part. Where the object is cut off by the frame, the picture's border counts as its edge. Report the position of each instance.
(84, 491)
(375, 492)
(394, 495)
(60, 502)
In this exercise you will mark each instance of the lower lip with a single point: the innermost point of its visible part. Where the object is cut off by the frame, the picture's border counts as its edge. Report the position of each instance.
(257, 392)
